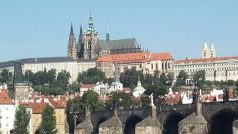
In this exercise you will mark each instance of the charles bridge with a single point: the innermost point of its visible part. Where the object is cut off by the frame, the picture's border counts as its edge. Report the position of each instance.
(219, 117)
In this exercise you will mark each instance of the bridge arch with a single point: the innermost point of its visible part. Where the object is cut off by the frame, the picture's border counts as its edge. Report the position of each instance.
(170, 125)
(100, 120)
(130, 124)
(221, 122)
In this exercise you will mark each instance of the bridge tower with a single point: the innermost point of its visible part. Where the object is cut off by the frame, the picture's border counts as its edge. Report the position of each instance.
(194, 123)
(151, 124)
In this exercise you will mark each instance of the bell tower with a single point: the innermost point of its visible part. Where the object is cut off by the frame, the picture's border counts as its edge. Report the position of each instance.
(212, 51)
(205, 51)
(89, 42)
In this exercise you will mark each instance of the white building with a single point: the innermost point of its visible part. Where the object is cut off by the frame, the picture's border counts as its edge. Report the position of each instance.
(103, 89)
(59, 63)
(7, 112)
(216, 68)
(138, 90)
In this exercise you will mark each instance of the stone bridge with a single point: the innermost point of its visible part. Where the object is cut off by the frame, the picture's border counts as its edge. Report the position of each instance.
(219, 116)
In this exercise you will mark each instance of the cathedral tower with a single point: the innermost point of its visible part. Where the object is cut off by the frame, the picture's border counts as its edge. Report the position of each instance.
(212, 51)
(205, 51)
(72, 44)
(89, 41)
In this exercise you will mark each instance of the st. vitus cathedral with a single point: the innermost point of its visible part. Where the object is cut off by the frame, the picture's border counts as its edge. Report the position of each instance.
(89, 46)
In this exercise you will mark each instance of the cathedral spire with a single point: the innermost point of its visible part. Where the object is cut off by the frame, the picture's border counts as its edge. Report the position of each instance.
(71, 30)
(90, 21)
(72, 44)
(81, 30)
(107, 34)
(205, 47)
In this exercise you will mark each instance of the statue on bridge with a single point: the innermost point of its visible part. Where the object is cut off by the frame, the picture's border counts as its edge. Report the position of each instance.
(152, 100)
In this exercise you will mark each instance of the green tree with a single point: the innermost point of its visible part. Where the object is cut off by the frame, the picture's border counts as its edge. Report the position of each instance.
(47, 125)
(121, 99)
(181, 78)
(29, 75)
(22, 119)
(199, 79)
(63, 78)
(5, 76)
(92, 75)
(230, 83)
(51, 76)
(74, 87)
(92, 99)
(130, 77)
(170, 77)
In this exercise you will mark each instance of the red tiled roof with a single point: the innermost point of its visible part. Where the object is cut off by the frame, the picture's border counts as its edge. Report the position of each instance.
(161, 56)
(87, 86)
(196, 60)
(37, 108)
(172, 99)
(5, 98)
(135, 57)
(62, 103)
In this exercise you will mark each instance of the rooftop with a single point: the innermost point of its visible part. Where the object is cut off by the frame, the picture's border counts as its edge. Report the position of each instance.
(135, 57)
(5, 98)
(197, 60)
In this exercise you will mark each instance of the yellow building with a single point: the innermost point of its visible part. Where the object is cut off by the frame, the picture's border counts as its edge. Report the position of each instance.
(37, 110)
(60, 115)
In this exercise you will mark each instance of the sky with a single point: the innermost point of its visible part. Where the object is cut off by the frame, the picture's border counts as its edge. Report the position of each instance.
(40, 28)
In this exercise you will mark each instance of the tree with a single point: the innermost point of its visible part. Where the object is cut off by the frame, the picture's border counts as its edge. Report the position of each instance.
(63, 78)
(29, 75)
(170, 77)
(5, 76)
(121, 99)
(181, 79)
(22, 120)
(51, 75)
(92, 75)
(130, 77)
(74, 87)
(199, 79)
(47, 125)
(92, 99)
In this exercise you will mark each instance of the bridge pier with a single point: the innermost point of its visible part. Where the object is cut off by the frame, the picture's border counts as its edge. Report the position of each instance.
(235, 127)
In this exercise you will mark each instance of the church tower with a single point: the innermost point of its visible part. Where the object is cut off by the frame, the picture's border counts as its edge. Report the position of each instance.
(72, 44)
(80, 47)
(107, 34)
(212, 51)
(89, 41)
(205, 51)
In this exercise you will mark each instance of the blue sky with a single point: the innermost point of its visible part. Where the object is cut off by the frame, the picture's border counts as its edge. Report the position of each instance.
(41, 28)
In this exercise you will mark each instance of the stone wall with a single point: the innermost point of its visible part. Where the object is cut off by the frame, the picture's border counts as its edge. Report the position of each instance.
(148, 130)
(193, 129)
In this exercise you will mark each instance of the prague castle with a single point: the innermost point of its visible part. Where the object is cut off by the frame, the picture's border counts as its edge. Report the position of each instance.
(89, 46)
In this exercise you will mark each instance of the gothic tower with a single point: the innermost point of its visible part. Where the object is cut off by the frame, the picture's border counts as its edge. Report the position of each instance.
(89, 42)
(212, 51)
(72, 44)
(80, 47)
(205, 51)
(107, 34)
